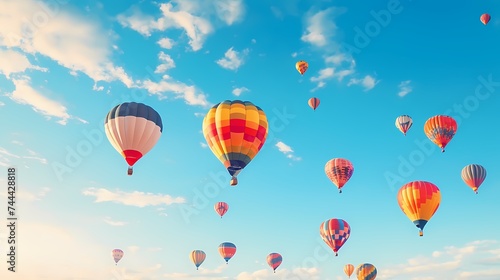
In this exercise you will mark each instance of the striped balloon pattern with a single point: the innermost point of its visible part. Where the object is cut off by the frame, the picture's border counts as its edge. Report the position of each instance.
(274, 260)
(419, 200)
(235, 132)
(335, 233)
(197, 257)
(474, 175)
(440, 130)
(301, 66)
(313, 103)
(133, 129)
(221, 208)
(227, 250)
(339, 171)
(366, 271)
(117, 255)
(404, 123)
(348, 270)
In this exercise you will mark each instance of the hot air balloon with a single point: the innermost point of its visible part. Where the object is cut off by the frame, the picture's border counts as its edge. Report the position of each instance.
(221, 208)
(227, 250)
(440, 130)
(403, 123)
(485, 18)
(301, 66)
(313, 103)
(235, 131)
(274, 260)
(335, 233)
(473, 175)
(117, 255)
(339, 171)
(348, 270)
(419, 200)
(197, 257)
(366, 271)
(133, 129)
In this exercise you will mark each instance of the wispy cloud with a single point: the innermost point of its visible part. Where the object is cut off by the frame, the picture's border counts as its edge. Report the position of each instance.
(6, 157)
(110, 222)
(368, 82)
(239, 90)
(166, 63)
(203, 145)
(136, 198)
(14, 62)
(166, 43)
(287, 150)
(404, 88)
(268, 274)
(232, 59)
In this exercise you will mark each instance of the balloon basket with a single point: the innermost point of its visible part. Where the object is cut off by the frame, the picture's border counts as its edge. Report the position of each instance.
(130, 171)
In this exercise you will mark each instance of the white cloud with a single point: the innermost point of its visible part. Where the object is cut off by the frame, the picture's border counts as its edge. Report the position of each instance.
(404, 88)
(166, 43)
(168, 63)
(110, 222)
(287, 150)
(203, 145)
(15, 62)
(368, 82)
(199, 115)
(232, 59)
(268, 274)
(320, 28)
(240, 90)
(294, 54)
(230, 11)
(6, 156)
(136, 198)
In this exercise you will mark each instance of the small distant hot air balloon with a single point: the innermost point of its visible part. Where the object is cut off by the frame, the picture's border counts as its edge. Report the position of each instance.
(227, 250)
(339, 171)
(197, 257)
(274, 260)
(366, 271)
(403, 123)
(221, 208)
(440, 130)
(474, 175)
(348, 270)
(419, 200)
(485, 18)
(335, 233)
(235, 132)
(117, 255)
(313, 103)
(133, 130)
(301, 66)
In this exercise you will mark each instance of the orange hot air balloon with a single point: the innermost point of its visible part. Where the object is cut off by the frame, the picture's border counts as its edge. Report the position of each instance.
(301, 66)
(339, 171)
(366, 271)
(348, 269)
(419, 200)
(440, 130)
(313, 103)
(485, 18)
(221, 208)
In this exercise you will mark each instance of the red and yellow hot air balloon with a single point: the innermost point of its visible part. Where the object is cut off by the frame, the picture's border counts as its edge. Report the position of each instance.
(348, 270)
(274, 260)
(313, 103)
(335, 233)
(117, 255)
(235, 131)
(403, 123)
(474, 175)
(366, 271)
(440, 130)
(227, 250)
(221, 208)
(339, 171)
(485, 18)
(133, 129)
(419, 200)
(301, 66)
(197, 257)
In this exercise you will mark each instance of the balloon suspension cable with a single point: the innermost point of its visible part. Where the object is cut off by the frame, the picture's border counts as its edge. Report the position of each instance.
(130, 170)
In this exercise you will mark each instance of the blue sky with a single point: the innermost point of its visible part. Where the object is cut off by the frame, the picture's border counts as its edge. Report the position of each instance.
(65, 64)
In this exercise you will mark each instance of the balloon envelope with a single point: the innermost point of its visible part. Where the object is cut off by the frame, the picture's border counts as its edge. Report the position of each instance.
(197, 257)
(366, 271)
(227, 250)
(221, 208)
(117, 255)
(274, 260)
(474, 175)
(403, 123)
(301, 66)
(440, 129)
(339, 171)
(313, 103)
(348, 270)
(485, 18)
(335, 233)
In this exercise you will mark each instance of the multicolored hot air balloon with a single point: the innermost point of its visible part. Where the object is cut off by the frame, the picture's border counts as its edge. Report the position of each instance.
(221, 208)
(301, 66)
(313, 103)
(335, 233)
(440, 130)
(227, 250)
(366, 271)
(197, 257)
(348, 270)
(274, 260)
(339, 171)
(403, 123)
(474, 175)
(117, 255)
(235, 131)
(485, 18)
(133, 129)
(419, 200)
